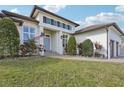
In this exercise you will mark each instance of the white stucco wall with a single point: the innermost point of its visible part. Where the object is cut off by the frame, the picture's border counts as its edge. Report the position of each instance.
(59, 42)
(54, 41)
(122, 50)
(122, 46)
(20, 32)
(40, 15)
(115, 36)
(99, 35)
(54, 31)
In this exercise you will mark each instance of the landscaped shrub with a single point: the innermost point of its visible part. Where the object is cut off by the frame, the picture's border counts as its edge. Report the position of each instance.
(9, 38)
(87, 48)
(23, 50)
(71, 46)
(80, 48)
(28, 48)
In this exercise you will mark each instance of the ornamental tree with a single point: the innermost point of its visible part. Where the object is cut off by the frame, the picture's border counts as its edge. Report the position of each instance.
(71, 46)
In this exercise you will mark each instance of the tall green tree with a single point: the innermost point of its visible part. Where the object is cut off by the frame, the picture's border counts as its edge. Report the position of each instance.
(9, 37)
(71, 46)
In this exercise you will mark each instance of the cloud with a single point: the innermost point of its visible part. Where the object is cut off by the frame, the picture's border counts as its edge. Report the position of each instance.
(15, 10)
(104, 18)
(54, 8)
(119, 8)
(79, 22)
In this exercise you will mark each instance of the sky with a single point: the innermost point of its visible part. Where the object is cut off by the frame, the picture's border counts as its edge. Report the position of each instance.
(85, 15)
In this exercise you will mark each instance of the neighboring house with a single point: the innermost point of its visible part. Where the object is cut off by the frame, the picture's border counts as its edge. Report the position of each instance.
(53, 31)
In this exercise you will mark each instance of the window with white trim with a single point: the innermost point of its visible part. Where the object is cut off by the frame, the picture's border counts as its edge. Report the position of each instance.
(28, 33)
(65, 37)
(56, 23)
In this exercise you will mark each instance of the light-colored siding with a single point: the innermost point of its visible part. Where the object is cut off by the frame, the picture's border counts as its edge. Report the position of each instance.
(40, 15)
(114, 35)
(95, 36)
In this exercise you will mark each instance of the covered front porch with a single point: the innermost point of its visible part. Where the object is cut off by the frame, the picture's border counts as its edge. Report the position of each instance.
(52, 42)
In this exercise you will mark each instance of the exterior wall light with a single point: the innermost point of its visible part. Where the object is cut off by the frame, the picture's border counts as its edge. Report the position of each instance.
(61, 36)
(42, 34)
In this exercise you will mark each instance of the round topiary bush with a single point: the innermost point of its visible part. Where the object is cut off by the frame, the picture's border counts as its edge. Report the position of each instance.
(87, 48)
(71, 46)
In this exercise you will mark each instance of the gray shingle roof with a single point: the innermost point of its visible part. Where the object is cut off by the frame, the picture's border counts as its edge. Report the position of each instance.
(98, 26)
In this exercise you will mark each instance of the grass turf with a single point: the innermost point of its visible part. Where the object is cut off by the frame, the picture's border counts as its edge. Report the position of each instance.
(38, 72)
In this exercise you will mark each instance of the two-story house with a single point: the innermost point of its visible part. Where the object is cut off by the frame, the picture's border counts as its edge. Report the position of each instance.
(53, 31)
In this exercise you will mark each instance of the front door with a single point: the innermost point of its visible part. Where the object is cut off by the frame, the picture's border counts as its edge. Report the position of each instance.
(47, 42)
(111, 48)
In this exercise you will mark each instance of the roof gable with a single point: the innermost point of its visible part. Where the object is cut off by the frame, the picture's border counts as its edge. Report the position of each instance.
(41, 9)
(11, 14)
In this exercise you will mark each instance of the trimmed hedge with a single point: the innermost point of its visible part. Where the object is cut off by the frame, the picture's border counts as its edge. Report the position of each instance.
(71, 46)
(9, 38)
(87, 48)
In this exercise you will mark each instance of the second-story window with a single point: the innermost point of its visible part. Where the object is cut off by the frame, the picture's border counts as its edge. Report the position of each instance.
(58, 23)
(63, 25)
(48, 20)
(69, 27)
(55, 23)
(52, 22)
(66, 27)
(44, 19)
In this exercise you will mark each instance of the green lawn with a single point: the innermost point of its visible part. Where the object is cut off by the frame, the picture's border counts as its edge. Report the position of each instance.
(56, 72)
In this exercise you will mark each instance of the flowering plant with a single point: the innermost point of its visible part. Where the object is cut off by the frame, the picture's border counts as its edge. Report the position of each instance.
(98, 45)
(41, 47)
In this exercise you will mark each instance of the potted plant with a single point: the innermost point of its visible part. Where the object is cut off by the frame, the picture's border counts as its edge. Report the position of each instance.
(41, 49)
(98, 45)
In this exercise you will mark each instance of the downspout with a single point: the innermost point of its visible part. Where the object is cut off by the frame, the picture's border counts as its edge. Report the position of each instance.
(107, 41)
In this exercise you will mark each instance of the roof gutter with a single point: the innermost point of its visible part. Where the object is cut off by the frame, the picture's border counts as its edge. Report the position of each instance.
(107, 40)
(10, 14)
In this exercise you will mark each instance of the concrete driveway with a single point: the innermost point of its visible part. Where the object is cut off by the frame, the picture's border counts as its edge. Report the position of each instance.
(117, 60)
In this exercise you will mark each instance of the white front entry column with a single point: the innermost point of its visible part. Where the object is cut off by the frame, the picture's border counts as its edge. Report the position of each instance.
(41, 41)
(59, 43)
(108, 44)
(20, 29)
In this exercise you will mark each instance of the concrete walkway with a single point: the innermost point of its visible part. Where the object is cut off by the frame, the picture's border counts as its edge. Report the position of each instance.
(117, 60)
